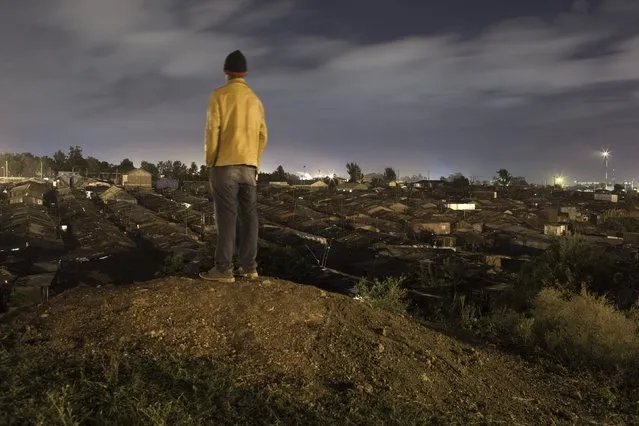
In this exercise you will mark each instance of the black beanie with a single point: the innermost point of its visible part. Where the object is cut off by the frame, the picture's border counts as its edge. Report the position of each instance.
(235, 64)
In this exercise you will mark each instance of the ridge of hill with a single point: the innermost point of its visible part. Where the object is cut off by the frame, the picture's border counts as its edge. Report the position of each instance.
(185, 351)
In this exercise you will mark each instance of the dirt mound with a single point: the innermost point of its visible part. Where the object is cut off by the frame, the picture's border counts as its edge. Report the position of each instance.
(320, 346)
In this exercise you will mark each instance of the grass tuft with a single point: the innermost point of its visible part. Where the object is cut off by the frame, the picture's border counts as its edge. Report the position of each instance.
(388, 294)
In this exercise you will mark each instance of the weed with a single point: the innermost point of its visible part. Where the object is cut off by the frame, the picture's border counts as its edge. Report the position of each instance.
(388, 294)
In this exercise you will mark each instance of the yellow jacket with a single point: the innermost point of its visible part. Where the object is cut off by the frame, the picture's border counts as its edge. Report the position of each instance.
(235, 126)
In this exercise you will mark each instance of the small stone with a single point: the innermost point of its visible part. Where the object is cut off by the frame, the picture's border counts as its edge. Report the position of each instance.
(425, 378)
(44, 315)
(381, 347)
(384, 331)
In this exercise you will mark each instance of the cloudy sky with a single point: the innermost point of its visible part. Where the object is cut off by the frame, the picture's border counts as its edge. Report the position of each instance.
(535, 86)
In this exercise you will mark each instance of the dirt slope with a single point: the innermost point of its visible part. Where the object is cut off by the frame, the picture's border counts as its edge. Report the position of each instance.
(323, 346)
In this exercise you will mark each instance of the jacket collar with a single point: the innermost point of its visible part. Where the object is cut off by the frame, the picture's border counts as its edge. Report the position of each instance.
(238, 80)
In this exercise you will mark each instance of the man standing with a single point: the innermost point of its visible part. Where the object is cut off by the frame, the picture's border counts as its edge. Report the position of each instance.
(235, 138)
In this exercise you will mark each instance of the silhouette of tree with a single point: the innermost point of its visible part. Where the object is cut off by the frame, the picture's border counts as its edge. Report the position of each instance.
(503, 177)
(355, 172)
(279, 175)
(126, 166)
(151, 168)
(390, 174)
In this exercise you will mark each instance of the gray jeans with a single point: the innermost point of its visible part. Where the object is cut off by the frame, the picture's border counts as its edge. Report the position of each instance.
(235, 196)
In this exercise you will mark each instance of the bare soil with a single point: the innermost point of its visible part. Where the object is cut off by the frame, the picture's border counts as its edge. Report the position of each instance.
(328, 350)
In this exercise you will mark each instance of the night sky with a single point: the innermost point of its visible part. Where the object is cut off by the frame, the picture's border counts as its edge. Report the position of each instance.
(535, 86)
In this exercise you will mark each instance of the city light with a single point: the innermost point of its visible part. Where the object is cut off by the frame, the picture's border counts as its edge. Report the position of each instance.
(605, 154)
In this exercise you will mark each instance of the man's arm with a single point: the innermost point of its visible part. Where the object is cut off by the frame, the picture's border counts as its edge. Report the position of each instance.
(212, 131)
(263, 131)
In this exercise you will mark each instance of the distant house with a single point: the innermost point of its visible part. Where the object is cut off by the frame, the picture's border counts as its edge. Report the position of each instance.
(137, 178)
(461, 206)
(484, 195)
(428, 184)
(397, 183)
(352, 186)
(28, 193)
(613, 198)
(166, 183)
(278, 184)
(436, 228)
(115, 194)
(556, 230)
(319, 185)
(68, 178)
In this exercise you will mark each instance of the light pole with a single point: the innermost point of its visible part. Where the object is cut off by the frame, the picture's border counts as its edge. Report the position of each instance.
(605, 154)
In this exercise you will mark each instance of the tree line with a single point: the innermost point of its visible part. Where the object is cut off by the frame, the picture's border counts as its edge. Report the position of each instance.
(30, 165)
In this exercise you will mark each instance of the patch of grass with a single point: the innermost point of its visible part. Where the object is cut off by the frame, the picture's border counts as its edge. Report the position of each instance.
(388, 294)
(121, 387)
(173, 266)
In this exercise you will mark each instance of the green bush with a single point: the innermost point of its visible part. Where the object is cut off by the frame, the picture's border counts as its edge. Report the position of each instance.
(582, 329)
(388, 294)
(573, 261)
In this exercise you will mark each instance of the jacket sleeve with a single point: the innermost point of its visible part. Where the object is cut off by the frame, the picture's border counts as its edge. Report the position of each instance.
(212, 131)
(263, 131)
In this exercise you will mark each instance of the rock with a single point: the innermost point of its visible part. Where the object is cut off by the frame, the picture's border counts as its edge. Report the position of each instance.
(381, 348)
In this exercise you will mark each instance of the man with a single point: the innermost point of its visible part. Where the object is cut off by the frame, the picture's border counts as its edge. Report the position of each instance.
(235, 138)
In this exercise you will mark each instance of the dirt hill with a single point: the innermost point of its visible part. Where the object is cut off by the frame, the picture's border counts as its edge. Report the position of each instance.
(183, 351)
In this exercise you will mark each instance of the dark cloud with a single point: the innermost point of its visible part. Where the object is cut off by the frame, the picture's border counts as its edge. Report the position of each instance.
(433, 86)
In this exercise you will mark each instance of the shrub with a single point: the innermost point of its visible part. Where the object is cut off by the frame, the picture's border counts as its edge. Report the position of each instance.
(572, 261)
(582, 329)
(388, 294)
(172, 266)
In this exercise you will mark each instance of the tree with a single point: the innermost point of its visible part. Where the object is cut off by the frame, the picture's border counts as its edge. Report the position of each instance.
(355, 172)
(503, 177)
(126, 166)
(204, 172)
(165, 169)
(179, 171)
(279, 175)
(193, 171)
(459, 182)
(151, 168)
(59, 160)
(389, 174)
(75, 159)
(94, 166)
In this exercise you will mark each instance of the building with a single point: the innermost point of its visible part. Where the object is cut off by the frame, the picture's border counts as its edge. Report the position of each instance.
(137, 178)
(436, 228)
(428, 184)
(352, 186)
(319, 185)
(115, 194)
(28, 193)
(556, 230)
(461, 206)
(613, 198)
(166, 183)
(484, 195)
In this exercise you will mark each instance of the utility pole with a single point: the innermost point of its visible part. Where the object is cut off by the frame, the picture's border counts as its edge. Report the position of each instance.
(41, 171)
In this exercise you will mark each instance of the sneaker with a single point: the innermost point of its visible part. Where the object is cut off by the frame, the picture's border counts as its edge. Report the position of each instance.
(250, 274)
(220, 277)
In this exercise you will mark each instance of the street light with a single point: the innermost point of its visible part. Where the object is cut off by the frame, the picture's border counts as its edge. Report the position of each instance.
(605, 154)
